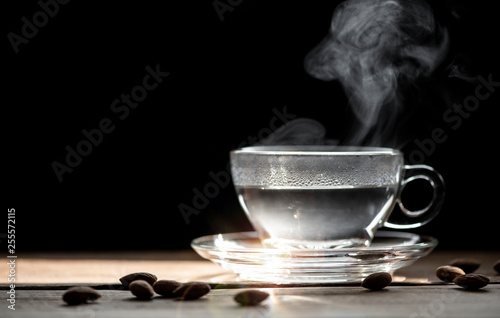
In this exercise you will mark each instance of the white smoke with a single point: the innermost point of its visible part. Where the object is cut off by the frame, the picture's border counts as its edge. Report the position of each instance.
(299, 131)
(373, 47)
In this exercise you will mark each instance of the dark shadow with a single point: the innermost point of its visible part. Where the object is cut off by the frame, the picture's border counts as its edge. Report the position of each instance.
(196, 299)
(88, 303)
(137, 299)
(165, 297)
(384, 290)
(478, 291)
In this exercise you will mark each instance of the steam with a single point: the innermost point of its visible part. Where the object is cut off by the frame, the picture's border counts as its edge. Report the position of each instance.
(373, 48)
(300, 131)
(461, 68)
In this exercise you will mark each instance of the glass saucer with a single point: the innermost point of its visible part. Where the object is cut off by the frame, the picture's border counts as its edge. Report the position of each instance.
(243, 254)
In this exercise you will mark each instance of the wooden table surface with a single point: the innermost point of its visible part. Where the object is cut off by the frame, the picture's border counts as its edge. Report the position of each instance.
(41, 279)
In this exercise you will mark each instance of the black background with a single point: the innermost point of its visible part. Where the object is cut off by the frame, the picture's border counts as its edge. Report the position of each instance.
(226, 77)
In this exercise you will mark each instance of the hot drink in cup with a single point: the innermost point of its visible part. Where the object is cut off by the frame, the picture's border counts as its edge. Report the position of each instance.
(326, 196)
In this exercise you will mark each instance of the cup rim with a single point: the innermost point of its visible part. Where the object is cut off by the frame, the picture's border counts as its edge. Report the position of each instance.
(316, 150)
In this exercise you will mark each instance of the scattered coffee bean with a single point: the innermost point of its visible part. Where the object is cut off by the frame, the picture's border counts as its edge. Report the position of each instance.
(468, 265)
(472, 281)
(250, 297)
(377, 281)
(127, 279)
(448, 273)
(191, 290)
(497, 266)
(141, 289)
(166, 287)
(79, 295)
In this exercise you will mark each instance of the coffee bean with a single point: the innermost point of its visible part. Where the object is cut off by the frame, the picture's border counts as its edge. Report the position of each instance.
(497, 266)
(448, 273)
(468, 265)
(127, 279)
(472, 281)
(250, 297)
(191, 290)
(79, 295)
(377, 281)
(141, 289)
(166, 287)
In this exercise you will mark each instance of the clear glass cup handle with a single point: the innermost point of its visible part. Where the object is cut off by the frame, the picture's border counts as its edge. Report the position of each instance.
(420, 217)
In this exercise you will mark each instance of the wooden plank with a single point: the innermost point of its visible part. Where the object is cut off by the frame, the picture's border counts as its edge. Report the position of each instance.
(168, 255)
(102, 271)
(394, 301)
(55, 269)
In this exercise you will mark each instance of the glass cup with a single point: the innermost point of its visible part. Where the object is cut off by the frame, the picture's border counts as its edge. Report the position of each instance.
(320, 197)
